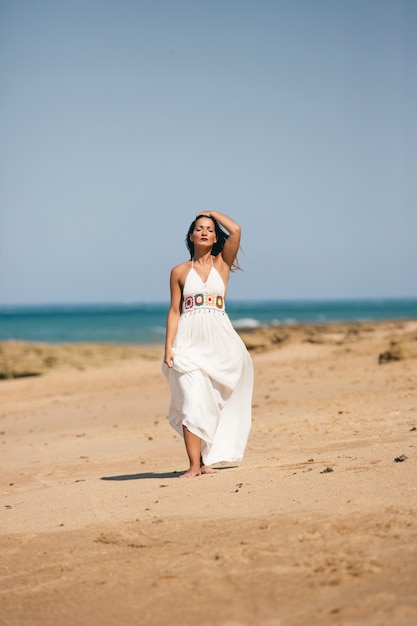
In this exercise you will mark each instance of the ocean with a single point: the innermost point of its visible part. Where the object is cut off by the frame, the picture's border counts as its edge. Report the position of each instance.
(145, 323)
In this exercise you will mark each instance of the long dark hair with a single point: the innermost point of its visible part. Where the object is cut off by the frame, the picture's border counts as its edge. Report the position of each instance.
(221, 236)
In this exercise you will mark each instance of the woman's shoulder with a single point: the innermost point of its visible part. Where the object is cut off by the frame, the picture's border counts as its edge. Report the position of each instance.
(220, 263)
(181, 269)
(222, 268)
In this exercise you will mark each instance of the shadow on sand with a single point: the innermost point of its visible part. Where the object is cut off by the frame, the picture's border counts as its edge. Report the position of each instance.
(145, 475)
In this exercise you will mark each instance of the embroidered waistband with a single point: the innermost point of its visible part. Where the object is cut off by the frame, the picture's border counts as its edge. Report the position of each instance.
(203, 300)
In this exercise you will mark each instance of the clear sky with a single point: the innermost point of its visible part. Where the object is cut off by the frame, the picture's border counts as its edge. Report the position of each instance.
(121, 119)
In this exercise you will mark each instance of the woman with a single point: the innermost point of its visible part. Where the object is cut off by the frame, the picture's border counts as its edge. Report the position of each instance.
(206, 363)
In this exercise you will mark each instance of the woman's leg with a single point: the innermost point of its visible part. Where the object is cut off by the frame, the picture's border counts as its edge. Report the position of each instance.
(193, 447)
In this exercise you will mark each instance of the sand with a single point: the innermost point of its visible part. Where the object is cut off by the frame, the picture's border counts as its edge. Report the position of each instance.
(317, 525)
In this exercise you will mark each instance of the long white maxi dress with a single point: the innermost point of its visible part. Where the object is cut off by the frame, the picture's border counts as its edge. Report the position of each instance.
(211, 380)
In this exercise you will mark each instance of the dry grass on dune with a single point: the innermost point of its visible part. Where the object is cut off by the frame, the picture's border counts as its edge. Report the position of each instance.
(395, 340)
(19, 359)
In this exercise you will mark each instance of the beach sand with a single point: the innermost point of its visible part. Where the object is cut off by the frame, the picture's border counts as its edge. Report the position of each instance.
(317, 525)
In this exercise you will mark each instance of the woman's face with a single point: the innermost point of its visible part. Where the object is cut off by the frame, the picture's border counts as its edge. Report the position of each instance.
(204, 233)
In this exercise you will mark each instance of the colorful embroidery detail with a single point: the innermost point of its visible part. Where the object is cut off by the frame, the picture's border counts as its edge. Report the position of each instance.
(203, 300)
(188, 303)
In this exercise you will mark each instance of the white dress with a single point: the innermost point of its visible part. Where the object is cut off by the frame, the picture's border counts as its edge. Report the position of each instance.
(211, 380)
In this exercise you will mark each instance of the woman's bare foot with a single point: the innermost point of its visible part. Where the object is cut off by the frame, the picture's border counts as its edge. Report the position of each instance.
(208, 470)
(191, 473)
(203, 469)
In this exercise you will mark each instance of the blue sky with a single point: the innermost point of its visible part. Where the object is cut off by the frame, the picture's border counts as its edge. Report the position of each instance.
(121, 119)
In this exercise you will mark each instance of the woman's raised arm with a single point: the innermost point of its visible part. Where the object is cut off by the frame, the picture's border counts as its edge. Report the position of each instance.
(232, 243)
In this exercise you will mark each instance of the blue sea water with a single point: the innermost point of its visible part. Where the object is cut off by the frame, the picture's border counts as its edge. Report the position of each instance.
(145, 323)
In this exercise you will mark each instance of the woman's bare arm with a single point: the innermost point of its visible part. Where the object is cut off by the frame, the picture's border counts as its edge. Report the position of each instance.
(173, 315)
(232, 243)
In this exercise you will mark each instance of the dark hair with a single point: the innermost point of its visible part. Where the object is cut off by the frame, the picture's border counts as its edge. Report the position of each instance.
(221, 236)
